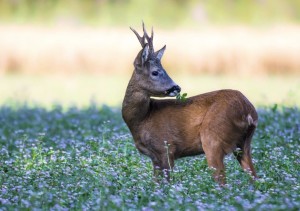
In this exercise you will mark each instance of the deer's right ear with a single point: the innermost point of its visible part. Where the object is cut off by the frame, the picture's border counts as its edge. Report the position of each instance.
(160, 53)
(145, 54)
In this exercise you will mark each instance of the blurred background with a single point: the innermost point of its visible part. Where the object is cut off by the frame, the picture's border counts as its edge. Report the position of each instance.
(74, 52)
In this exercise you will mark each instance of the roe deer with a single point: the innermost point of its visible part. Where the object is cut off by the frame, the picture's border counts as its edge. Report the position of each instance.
(214, 123)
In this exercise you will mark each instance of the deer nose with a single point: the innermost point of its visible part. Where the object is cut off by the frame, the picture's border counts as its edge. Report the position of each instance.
(173, 91)
(176, 88)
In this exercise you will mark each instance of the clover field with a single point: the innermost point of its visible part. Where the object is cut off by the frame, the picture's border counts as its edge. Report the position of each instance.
(85, 159)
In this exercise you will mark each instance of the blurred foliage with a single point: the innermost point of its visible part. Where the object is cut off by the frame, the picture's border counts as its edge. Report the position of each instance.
(167, 13)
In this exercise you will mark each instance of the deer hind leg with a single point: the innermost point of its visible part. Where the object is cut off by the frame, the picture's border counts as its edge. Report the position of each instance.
(244, 156)
(215, 156)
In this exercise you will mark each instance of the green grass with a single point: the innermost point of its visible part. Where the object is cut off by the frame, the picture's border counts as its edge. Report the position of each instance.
(85, 159)
(167, 13)
(80, 90)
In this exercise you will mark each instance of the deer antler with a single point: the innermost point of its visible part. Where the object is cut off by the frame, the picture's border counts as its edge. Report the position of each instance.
(149, 39)
(145, 36)
(141, 39)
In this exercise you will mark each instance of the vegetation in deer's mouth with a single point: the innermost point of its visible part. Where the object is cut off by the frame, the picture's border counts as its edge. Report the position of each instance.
(181, 97)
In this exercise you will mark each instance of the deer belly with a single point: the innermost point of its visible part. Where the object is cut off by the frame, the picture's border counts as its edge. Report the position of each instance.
(189, 149)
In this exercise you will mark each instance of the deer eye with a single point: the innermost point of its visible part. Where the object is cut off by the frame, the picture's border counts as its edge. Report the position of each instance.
(155, 73)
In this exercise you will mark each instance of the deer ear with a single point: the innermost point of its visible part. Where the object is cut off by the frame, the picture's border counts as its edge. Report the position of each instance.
(160, 53)
(145, 54)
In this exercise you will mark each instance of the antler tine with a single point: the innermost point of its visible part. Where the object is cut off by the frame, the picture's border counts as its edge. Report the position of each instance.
(141, 39)
(149, 39)
(152, 33)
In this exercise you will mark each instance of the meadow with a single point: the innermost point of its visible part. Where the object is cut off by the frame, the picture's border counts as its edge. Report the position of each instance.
(83, 158)
(61, 148)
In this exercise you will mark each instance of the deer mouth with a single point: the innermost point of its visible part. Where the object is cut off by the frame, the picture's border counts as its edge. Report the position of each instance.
(174, 91)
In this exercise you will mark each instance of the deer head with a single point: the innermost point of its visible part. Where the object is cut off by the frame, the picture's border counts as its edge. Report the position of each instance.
(150, 74)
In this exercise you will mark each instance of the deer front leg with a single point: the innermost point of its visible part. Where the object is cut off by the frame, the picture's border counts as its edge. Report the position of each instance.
(162, 167)
(162, 164)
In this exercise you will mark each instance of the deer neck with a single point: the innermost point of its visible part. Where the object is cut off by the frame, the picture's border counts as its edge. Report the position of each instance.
(136, 104)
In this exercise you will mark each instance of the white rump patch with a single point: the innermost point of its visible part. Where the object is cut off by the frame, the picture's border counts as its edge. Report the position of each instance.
(250, 120)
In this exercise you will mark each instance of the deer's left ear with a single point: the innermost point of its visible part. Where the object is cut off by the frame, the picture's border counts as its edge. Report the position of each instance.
(158, 54)
(145, 54)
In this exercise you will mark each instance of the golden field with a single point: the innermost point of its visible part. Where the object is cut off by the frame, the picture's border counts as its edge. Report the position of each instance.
(66, 49)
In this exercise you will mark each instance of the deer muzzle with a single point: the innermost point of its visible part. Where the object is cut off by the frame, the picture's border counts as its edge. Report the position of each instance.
(173, 91)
